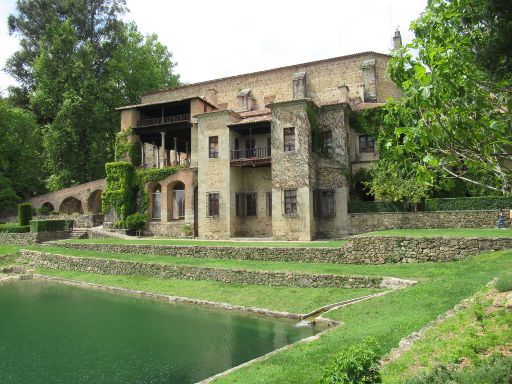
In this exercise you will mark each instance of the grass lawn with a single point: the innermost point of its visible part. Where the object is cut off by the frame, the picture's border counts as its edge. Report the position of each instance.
(7, 254)
(467, 336)
(295, 300)
(447, 232)
(212, 243)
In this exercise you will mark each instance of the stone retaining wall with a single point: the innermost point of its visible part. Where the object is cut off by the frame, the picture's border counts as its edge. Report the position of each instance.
(367, 222)
(162, 271)
(295, 254)
(358, 250)
(31, 238)
(399, 249)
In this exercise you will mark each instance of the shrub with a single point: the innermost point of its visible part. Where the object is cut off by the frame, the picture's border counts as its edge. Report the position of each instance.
(14, 228)
(504, 282)
(24, 213)
(45, 211)
(51, 225)
(468, 203)
(186, 229)
(358, 364)
(119, 224)
(496, 369)
(136, 222)
(358, 206)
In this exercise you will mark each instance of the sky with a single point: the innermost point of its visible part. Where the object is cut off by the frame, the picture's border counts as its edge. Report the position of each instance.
(213, 39)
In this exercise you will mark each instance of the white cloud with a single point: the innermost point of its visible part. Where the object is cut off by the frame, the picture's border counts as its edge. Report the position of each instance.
(211, 39)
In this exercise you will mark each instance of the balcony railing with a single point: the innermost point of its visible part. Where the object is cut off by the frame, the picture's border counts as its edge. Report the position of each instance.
(250, 154)
(163, 120)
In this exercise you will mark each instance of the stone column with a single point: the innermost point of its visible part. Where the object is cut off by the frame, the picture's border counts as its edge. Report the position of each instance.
(162, 158)
(164, 206)
(174, 159)
(142, 157)
(186, 150)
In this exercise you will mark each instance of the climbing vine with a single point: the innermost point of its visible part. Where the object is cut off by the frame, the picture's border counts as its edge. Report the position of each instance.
(124, 149)
(316, 133)
(368, 121)
(119, 191)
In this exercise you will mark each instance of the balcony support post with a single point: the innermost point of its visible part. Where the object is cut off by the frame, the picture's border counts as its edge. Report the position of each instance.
(162, 158)
(174, 160)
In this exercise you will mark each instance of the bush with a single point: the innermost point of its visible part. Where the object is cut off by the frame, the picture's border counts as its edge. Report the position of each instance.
(504, 283)
(136, 222)
(358, 364)
(24, 213)
(358, 206)
(496, 369)
(468, 203)
(45, 211)
(51, 225)
(119, 224)
(14, 228)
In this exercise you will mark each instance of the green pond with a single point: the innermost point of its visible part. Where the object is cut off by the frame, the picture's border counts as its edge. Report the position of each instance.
(54, 333)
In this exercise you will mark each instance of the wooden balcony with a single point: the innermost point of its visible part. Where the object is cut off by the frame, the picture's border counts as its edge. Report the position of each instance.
(253, 157)
(163, 120)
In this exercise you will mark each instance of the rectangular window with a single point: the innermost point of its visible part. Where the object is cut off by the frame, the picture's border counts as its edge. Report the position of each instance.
(366, 144)
(178, 204)
(327, 142)
(324, 203)
(289, 139)
(212, 201)
(213, 147)
(246, 205)
(290, 201)
(268, 200)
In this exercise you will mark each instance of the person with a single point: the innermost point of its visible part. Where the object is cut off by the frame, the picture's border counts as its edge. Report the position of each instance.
(501, 218)
(510, 217)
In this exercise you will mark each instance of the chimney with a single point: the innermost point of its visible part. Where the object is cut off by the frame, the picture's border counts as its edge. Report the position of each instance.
(361, 92)
(343, 93)
(397, 40)
(211, 96)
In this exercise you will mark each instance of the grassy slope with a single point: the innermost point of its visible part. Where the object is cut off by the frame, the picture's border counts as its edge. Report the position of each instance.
(462, 337)
(388, 319)
(212, 243)
(447, 232)
(296, 300)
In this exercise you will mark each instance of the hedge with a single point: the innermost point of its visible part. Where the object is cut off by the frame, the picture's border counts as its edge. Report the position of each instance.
(51, 225)
(358, 206)
(14, 228)
(24, 213)
(468, 203)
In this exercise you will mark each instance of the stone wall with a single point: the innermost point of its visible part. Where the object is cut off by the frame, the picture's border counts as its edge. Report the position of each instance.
(161, 271)
(397, 249)
(172, 229)
(322, 80)
(367, 222)
(358, 250)
(31, 238)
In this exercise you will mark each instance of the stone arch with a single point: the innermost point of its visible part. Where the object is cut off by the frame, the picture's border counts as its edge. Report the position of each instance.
(94, 202)
(155, 201)
(49, 206)
(176, 200)
(71, 205)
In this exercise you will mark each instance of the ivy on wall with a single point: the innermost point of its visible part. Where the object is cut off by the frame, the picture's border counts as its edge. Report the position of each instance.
(367, 121)
(125, 191)
(124, 149)
(316, 134)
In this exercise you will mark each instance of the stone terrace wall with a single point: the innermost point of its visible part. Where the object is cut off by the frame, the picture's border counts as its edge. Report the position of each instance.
(367, 222)
(397, 249)
(358, 250)
(161, 271)
(31, 238)
(295, 254)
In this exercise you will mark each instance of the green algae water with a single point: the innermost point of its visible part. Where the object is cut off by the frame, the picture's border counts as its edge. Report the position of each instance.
(52, 333)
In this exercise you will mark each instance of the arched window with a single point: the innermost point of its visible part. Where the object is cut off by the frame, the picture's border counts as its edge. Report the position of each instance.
(156, 209)
(178, 202)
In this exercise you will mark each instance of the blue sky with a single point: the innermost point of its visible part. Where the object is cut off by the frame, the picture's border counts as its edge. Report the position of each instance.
(211, 39)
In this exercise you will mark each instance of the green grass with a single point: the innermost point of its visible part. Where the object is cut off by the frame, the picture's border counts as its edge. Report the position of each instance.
(8, 254)
(387, 319)
(470, 334)
(447, 232)
(295, 300)
(211, 243)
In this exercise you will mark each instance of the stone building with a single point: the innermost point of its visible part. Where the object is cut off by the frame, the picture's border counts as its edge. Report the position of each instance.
(267, 152)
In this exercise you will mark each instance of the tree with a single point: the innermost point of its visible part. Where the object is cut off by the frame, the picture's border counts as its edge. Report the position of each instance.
(82, 63)
(19, 161)
(453, 120)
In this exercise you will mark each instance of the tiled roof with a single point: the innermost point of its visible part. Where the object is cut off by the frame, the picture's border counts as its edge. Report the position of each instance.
(257, 112)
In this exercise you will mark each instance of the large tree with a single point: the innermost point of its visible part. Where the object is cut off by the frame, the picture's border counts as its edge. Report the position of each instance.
(19, 160)
(83, 63)
(453, 120)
